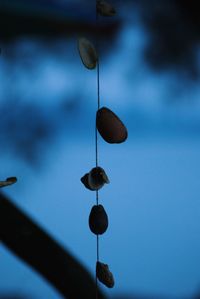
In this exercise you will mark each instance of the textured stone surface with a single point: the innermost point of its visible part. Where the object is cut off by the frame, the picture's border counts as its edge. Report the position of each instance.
(105, 9)
(104, 275)
(110, 126)
(98, 220)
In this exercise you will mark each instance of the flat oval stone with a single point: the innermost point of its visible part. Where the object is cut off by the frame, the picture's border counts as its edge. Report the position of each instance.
(87, 53)
(110, 127)
(105, 9)
(98, 220)
(104, 275)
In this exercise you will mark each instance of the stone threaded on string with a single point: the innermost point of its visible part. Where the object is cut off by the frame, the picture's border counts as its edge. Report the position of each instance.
(112, 130)
(98, 220)
(95, 179)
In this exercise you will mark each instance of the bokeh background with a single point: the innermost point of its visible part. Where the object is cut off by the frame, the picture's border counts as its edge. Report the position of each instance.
(149, 76)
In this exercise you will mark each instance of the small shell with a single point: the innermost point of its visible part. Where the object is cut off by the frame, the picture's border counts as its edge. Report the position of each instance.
(98, 220)
(104, 275)
(87, 53)
(84, 180)
(95, 179)
(105, 9)
(8, 181)
(110, 126)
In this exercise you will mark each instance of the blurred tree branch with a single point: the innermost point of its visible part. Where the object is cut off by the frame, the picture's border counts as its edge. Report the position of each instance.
(34, 246)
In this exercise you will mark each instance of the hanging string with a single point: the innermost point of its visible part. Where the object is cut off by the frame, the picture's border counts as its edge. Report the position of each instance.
(96, 142)
(98, 101)
(96, 178)
(96, 280)
(98, 87)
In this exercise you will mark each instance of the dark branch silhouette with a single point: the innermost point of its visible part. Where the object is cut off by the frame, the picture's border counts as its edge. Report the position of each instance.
(34, 246)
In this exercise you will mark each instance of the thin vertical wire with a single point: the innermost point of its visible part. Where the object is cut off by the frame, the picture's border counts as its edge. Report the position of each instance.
(98, 81)
(98, 99)
(96, 141)
(97, 47)
(98, 87)
(96, 146)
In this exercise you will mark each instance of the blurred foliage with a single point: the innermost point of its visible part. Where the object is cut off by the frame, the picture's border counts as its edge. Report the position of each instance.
(25, 126)
(173, 27)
